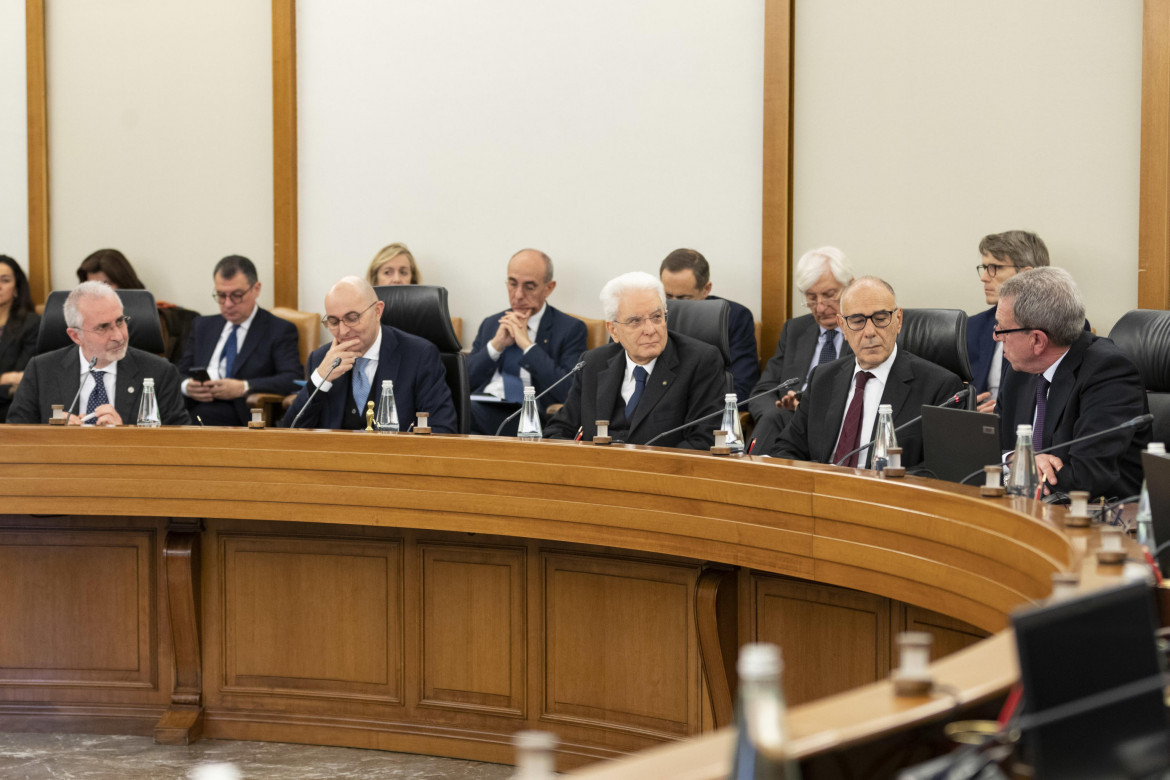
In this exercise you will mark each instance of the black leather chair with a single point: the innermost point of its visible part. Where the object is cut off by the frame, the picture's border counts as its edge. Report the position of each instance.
(940, 336)
(704, 320)
(1144, 336)
(421, 310)
(145, 330)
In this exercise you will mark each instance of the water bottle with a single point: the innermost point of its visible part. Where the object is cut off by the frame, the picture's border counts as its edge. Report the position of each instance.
(535, 759)
(761, 729)
(885, 440)
(1145, 516)
(731, 424)
(1023, 479)
(387, 419)
(148, 416)
(529, 429)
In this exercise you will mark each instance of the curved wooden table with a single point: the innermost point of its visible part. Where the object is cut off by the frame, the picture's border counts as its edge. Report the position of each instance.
(436, 594)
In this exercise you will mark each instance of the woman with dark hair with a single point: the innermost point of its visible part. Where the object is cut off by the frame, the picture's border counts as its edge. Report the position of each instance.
(112, 267)
(19, 324)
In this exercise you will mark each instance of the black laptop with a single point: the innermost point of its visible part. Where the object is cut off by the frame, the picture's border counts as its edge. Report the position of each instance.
(1157, 471)
(957, 442)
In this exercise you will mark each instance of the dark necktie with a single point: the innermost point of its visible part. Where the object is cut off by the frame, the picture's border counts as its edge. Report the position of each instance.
(851, 428)
(829, 350)
(640, 377)
(229, 353)
(97, 396)
(1041, 408)
(510, 373)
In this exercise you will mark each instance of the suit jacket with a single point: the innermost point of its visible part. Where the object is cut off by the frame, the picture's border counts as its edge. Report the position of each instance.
(269, 360)
(741, 338)
(53, 378)
(1095, 387)
(688, 382)
(812, 434)
(981, 349)
(17, 347)
(420, 385)
(794, 353)
(558, 345)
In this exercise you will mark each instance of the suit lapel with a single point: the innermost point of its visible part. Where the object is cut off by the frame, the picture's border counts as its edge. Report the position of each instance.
(1061, 387)
(657, 383)
(609, 385)
(896, 393)
(545, 331)
(127, 389)
(838, 394)
(206, 347)
(806, 345)
(257, 332)
(389, 358)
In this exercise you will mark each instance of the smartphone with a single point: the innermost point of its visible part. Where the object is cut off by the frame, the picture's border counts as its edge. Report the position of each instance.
(200, 375)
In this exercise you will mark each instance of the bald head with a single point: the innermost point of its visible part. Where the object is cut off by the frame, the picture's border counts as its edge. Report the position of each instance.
(352, 298)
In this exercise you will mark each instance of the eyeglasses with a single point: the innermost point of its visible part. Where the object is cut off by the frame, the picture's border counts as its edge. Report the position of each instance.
(995, 333)
(106, 328)
(237, 296)
(991, 269)
(352, 318)
(831, 298)
(881, 319)
(657, 318)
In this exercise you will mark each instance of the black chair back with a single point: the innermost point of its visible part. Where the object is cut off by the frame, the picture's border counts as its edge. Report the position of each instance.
(421, 310)
(705, 320)
(138, 305)
(1144, 336)
(937, 335)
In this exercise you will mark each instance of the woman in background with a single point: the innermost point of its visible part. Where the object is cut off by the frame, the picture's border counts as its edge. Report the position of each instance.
(19, 323)
(393, 264)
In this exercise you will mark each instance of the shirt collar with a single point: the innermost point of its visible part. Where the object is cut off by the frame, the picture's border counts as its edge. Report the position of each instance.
(630, 364)
(880, 371)
(111, 369)
(376, 348)
(1051, 370)
(534, 319)
(246, 323)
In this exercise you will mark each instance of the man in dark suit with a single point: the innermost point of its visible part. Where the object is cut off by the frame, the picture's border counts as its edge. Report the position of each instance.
(646, 382)
(244, 349)
(529, 344)
(839, 411)
(1068, 383)
(366, 353)
(111, 392)
(805, 342)
(686, 276)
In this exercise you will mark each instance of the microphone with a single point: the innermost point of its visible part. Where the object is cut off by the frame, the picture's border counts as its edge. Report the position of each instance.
(88, 371)
(317, 389)
(787, 383)
(1141, 421)
(954, 399)
(510, 417)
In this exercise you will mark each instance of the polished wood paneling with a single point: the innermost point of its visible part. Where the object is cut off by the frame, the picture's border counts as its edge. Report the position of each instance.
(40, 277)
(776, 217)
(1154, 210)
(285, 263)
(473, 597)
(950, 635)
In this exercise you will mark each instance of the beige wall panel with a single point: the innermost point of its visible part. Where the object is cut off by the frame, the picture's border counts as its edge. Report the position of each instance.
(13, 134)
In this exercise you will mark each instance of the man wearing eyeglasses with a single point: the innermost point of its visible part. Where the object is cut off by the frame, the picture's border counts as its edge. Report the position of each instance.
(111, 391)
(1067, 383)
(805, 342)
(839, 411)
(649, 380)
(244, 349)
(367, 353)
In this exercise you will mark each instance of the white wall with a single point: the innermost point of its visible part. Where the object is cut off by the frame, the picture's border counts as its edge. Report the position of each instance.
(13, 134)
(922, 126)
(160, 138)
(606, 134)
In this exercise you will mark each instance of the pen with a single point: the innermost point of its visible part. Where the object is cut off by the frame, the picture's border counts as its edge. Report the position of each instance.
(580, 431)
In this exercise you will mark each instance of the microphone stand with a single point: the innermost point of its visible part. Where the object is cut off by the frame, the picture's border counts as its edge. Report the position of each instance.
(782, 386)
(76, 398)
(954, 399)
(317, 389)
(512, 416)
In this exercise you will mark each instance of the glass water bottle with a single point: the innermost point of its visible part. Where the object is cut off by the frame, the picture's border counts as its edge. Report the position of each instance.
(386, 420)
(885, 440)
(731, 424)
(148, 416)
(761, 740)
(530, 429)
(1023, 479)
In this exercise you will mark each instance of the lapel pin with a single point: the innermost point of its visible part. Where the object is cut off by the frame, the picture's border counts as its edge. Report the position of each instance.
(664, 383)
(130, 389)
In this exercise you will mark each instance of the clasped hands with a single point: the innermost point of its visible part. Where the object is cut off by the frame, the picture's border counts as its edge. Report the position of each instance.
(513, 329)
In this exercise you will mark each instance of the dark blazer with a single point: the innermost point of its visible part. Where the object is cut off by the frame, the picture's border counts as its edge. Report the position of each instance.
(1095, 387)
(741, 338)
(558, 345)
(812, 434)
(688, 382)
(794, 353)
(18, 344)
(53, 378)
(420, 385)
(269, 360)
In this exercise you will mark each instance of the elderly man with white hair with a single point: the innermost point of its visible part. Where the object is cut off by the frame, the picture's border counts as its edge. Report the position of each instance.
(646, 382)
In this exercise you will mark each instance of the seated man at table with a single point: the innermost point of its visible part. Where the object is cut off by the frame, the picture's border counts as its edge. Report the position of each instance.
(349, 370)
(529, 344)
(686, 276)
(838, 413)
(244, 349)
(1067, 383)
(646, 382)
(111, 391)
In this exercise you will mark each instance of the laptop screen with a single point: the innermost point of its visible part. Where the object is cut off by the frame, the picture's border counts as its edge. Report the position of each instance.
(1157, 471)
(957, 442)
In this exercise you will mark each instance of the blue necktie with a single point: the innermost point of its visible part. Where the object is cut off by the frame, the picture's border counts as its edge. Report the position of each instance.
(361, 385)
(1041, 409)
(510, 373)
(229, 353)
(829, 350)
(97, 396)
(640, 377)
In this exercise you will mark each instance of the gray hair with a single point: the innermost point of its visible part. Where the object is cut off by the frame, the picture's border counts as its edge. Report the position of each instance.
(812, 266)
(635, 280)
(548, 266)
(86, 290)
(1046, 299)
(868, 281)
(1018, 247)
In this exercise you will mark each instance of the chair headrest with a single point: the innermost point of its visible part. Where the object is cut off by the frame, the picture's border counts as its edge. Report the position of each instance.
(138, 305)
(705, 320)
(421, 310)
(1144, 336)
(937, 335)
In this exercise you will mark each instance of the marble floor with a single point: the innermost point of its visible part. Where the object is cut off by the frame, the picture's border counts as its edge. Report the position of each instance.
(89, 757)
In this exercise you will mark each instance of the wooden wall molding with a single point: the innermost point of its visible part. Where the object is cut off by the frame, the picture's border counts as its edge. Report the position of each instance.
(1154, 208)
(285, 263)
(40, 275)
(776, 247)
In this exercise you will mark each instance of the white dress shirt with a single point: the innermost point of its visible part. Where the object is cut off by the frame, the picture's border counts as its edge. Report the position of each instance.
(873, 396)
(88, 382)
